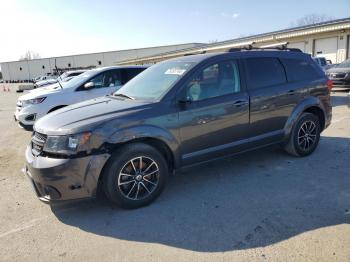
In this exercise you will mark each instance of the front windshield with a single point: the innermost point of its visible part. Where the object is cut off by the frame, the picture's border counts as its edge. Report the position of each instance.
(344, 64)
(80, 79)
(154, 82)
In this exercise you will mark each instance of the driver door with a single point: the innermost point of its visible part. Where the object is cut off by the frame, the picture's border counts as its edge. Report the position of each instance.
(217, 114)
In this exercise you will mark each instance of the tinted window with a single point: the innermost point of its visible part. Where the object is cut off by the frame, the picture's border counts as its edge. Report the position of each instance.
(75, 74)
(113, 78)
(213, 81)
(323, 61)
(98, 80)
(263, 72)
(130, 73)
(299, 70)
(107, 79)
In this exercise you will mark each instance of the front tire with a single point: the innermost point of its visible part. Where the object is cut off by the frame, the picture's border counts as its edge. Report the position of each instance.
(305, 136)
(135, 175)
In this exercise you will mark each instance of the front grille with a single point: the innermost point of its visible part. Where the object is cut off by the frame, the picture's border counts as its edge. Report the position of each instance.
(337, 75)
(38, 142)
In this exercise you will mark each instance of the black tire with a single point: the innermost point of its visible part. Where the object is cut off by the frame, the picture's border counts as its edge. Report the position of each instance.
(121, 160)
(300, 143)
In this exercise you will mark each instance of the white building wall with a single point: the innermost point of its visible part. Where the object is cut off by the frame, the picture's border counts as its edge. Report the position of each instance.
(34, 68)
(39, 67)
(89, 60)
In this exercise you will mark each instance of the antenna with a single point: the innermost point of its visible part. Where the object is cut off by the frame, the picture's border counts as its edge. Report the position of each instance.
(58, 75)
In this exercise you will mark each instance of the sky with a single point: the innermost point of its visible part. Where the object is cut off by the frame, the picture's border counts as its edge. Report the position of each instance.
(56, 28)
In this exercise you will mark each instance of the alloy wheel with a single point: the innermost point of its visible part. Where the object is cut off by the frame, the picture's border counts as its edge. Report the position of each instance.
(138, 178)
(307, 135)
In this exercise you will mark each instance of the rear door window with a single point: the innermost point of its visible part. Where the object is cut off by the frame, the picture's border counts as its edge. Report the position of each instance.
(265, 71)
(300, 70)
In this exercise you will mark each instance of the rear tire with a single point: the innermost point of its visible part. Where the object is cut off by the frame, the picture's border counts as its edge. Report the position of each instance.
(135, 175)
(305, 136)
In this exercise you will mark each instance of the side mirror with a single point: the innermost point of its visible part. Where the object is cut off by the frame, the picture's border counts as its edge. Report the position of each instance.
(89, 85)
(185, 100)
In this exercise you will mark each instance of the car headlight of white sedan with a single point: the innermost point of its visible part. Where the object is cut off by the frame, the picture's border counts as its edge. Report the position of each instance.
(33, 101)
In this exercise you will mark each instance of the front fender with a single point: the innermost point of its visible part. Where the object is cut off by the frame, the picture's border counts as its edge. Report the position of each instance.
(298, 110)
(147, 132)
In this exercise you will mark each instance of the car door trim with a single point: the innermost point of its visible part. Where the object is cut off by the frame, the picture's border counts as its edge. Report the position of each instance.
(278, 134)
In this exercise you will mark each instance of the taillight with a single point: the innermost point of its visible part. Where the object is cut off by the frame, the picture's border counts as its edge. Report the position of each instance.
(329, 84)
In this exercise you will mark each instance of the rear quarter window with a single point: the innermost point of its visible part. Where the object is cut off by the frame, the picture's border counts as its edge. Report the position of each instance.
(300, 70)
(264, 71)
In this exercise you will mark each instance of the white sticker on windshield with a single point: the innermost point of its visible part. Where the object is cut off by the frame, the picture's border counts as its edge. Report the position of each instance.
(175, 71)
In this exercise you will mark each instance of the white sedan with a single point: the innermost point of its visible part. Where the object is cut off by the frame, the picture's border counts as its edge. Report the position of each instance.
(91, 84)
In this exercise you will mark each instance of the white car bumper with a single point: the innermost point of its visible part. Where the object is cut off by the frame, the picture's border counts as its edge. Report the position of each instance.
(26, 116)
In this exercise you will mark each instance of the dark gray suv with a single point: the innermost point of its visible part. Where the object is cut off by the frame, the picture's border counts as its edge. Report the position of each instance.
(174, 114)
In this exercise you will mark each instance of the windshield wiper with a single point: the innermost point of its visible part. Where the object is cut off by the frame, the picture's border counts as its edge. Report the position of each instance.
(124, 95)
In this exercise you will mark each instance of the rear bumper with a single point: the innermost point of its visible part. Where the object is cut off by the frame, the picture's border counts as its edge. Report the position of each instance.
(56, 180)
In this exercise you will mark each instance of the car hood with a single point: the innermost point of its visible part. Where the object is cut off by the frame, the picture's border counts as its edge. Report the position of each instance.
(42, 92)
(339, 70)
(84, 116)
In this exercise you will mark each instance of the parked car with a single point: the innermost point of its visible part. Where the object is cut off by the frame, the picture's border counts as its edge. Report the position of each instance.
(178, 113)
(66, 76)
(323, 63)
(91, 84)
(340, 74)
(42, 78)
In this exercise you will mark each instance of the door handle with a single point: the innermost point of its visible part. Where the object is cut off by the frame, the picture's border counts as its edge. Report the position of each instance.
(239, 103)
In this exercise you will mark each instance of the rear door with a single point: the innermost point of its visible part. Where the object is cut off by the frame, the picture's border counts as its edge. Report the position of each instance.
(272, 98)
(218, 113)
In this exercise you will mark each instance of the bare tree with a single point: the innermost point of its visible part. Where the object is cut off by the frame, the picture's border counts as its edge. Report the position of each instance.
(29, 55)
(312, 19)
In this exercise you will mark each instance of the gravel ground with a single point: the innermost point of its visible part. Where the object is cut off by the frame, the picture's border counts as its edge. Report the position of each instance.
(259, 206)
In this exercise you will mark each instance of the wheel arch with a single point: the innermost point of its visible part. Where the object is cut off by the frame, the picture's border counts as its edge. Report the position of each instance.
(56, 108)
(310, 105)
(154, 136)
(157, 143)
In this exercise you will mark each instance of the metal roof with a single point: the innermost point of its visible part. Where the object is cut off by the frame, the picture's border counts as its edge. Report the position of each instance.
(104, 52)
(333, 25)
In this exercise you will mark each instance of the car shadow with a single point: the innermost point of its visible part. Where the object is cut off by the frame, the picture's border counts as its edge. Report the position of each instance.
(338, 98)
(241, 202)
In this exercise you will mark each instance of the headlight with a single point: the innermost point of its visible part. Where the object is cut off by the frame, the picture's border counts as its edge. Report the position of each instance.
(33, 101)
(70, 144)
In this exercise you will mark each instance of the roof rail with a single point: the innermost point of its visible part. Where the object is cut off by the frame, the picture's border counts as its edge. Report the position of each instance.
(250, 47)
